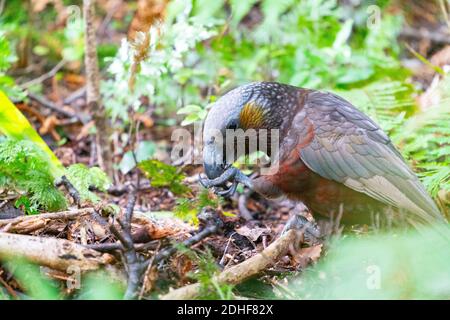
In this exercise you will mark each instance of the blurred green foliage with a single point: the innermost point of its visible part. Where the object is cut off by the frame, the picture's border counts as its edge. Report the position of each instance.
(7, 57)
(34, 283)
(144, 151)
(386, 266)
(100, 286)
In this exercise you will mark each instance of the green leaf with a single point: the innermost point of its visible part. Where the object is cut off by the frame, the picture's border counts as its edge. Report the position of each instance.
(191, 108)
(145, 150)
(32, 280)
(229, 214)
(190, 119)
(163, 175)
(393, 265)
(343, 35)
(83, 178)
(41, 50)
(127, 163)
(239, 9)
(14, 125)
(26, 203)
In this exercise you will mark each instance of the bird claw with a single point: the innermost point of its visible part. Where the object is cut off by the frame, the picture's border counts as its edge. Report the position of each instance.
(204, 181)
(226, 176)
(228, 192)
(231, 174)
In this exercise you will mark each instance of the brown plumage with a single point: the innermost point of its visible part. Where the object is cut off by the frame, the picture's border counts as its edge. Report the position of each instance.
(330, 154)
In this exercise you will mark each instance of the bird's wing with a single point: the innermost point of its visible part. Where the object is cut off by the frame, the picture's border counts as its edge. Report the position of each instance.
(348, 147)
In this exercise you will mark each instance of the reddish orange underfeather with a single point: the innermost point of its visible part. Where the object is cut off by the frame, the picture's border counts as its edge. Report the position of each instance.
(252, 116)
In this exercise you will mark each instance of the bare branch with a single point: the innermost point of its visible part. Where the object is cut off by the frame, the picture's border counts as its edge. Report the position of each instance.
(73, 192)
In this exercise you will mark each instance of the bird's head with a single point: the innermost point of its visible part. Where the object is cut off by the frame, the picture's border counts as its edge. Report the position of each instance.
(261, 105)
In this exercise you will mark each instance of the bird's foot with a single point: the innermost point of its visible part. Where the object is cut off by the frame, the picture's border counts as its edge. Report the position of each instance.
(219, 184)
(310, 230)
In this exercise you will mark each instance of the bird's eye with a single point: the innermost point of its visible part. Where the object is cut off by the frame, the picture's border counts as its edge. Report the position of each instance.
(232, 126)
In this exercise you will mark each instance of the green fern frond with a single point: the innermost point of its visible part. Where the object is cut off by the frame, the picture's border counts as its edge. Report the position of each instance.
(187, 209)
(386, 102)
(26, 168)
(435, 176)
(163, 175)
(426, 135)
(83, 178)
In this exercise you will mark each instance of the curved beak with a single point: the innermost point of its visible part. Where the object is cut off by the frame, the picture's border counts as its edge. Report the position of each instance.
(213, 160)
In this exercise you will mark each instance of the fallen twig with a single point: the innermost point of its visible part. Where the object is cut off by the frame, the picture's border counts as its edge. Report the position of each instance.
(82, 117)
(52, 106)
(244, 270)
(212, 225)
(73, 192)
(25, 224)
(125, 188)
(419, 34)
(80, 93)
(8, 288)
(110, 247)
(45, 76)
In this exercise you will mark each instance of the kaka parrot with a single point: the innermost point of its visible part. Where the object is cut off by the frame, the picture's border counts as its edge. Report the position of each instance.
(330, 154)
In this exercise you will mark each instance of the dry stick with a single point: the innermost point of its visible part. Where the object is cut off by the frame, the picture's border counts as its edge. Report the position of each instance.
(125, 188)
(74, 117)
(52, 106)
(146, 274)
(8, 288)
(110, 247)
(45, 76)
(135, 266)
(24, 224)
(73, 192)
(93, 99)
(80, 93)
(213, 224)
(208, 230)
(59, 254)
(248, 268)
(420, 34)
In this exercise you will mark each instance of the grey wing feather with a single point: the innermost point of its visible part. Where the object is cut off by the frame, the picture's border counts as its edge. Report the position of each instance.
(350, 148)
